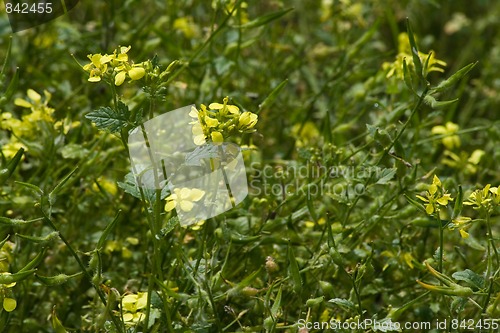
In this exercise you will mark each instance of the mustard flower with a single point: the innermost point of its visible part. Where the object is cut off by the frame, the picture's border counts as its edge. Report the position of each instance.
(247, 121)
(462, 223)
(132, 305)
(449, 130)
(135, 72)
(183, 198)
(463, 161)
(97, 67)
(435, 197)
(480, 198)
(404, 52)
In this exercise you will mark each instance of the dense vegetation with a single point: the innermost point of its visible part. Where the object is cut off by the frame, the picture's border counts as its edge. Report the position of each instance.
(370, 137)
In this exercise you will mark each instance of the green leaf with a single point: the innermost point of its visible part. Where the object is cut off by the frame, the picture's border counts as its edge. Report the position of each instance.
(107, 119)
(32, 187)
(457, 209)
(6, 172)
(56, 323)
(59, 186)
(448, 83)
(314, 301)
(11, 89)
(7, 56)
(107, 231)
(345, 304)
(386, 175)
(276, 305)
(293, 269)
(415, 203)
(34, 262)
(407, 76)
(264, 19)
(73, 151)
(414, 51)
(469, 277)
(272, 96)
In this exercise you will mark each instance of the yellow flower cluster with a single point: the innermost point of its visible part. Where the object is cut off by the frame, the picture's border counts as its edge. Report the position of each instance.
(9, 304)
(487, 199)
(404, 52)
(451, 141)
(132, 306)
(435, 197)
(220, 121)
(29, 125)
(115, 65)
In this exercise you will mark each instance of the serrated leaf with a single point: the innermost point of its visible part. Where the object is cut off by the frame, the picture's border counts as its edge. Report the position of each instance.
(469, 277)
(107, 119)
(386, 175)
(343, 303)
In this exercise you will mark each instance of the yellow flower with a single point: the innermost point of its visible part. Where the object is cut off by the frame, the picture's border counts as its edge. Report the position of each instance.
(480, 198)
(247, 120)
(186, 25)
(98, 66)
(183, 198)
(451, 140)
(132, 305)
(396, 68)
(135, 73)
(432, 202)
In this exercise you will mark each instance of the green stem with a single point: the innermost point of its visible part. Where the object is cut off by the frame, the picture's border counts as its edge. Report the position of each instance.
(98, 290)
(441, 243)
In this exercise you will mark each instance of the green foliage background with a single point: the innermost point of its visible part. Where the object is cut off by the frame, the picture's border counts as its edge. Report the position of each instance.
(315, 76)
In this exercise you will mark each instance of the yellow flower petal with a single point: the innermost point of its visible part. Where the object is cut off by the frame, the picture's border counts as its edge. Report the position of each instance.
(170, 205)
(464, 233)
(196, 194)
(120, 78)
(186, 205)
(429, 209)
(34, 96)
(9, 304)
(22, 103)
(217, 138)
(136, 73)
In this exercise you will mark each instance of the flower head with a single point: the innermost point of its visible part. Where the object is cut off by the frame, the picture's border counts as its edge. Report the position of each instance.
(132, 306)
(449, 130)
(183, 199)
(435, 197)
